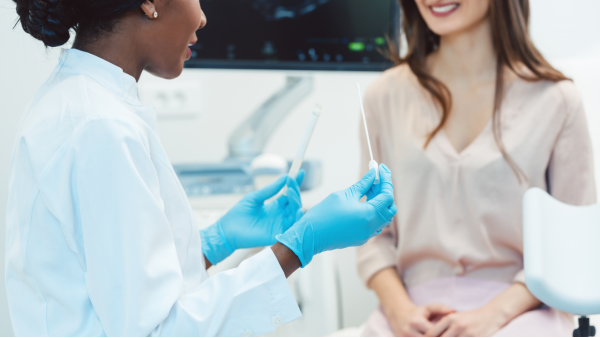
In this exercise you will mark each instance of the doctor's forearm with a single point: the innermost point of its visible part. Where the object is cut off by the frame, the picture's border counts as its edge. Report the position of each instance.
(207, 263)
(288, 260)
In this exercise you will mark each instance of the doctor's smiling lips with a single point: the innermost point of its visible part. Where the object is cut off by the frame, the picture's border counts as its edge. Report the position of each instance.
(443, 10)
(189, 50)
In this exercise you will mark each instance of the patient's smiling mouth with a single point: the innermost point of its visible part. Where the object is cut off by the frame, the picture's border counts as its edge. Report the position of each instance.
(443, 10)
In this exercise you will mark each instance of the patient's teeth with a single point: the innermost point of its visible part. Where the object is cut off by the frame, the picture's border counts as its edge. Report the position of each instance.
(444, 9)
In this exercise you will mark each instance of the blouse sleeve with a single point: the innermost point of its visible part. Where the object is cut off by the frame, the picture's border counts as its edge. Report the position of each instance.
(571, 168)
(570, 173)
(379, 252)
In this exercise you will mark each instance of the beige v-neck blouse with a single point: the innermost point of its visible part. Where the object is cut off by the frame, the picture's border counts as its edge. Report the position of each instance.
(459, 214)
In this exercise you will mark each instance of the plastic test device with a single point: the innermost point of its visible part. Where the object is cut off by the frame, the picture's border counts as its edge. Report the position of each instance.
(372, 164)
(310, 127)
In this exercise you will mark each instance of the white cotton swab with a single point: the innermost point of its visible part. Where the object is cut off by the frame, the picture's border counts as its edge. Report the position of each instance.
(372, 164)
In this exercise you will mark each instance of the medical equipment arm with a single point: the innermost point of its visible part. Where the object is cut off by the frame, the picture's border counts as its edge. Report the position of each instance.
(249, 139)
(138, 281)
(253, 223)
(341, 220)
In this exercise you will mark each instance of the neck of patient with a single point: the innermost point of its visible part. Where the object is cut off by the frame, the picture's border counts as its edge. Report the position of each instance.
(468, 54)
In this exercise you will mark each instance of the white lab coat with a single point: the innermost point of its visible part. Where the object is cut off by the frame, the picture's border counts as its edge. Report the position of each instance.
(101, 239)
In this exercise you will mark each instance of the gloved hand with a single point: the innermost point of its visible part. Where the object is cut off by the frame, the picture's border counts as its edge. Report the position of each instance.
(340, 220)
(252, 223)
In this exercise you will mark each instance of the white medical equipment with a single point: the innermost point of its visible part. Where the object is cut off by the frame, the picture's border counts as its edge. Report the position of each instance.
(561, 251)
(267, 168)
(372, 164)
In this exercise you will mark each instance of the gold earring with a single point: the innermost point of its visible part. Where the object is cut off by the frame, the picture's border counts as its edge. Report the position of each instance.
(155, 15)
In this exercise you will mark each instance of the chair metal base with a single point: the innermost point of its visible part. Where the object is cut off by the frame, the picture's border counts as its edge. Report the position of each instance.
(584, 330)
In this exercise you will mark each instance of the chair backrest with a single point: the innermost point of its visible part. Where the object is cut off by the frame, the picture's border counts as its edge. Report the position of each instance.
(562, 253)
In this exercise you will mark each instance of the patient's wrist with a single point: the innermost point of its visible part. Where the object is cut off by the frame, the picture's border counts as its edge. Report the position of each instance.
(391, 293)
(511, 303)
(499, 312)
(397, 307)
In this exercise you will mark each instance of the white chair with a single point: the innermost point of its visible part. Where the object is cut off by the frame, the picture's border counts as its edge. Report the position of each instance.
(562, 255)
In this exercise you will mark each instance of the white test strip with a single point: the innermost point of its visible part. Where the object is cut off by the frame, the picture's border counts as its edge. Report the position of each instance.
(299, 158)
(310, 127)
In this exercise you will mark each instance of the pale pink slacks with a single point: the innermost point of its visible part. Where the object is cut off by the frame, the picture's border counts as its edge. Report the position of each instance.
(465, 294)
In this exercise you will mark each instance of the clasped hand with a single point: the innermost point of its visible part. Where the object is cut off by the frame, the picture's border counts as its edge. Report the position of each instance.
(482, 322)
(437, 320)
(252, 222)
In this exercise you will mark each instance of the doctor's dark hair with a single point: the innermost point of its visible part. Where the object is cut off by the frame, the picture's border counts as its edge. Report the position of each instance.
(50, 21)
(514, 49)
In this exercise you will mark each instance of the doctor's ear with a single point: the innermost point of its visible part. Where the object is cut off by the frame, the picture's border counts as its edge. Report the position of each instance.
(149, 9)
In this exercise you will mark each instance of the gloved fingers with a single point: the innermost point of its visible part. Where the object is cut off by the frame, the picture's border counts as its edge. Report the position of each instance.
(385, 176)
(360, 188)
(374, 191)
(392, 210)
(386, 197)
(300, 177)
(293, 184)
(386, 182)
(261, 195)
(381, 227)
(299, 214)
(382, 201)
(376, 233)
(293, 197)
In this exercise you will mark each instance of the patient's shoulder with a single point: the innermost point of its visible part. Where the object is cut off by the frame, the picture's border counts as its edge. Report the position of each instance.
(560, 96)
(398, 82)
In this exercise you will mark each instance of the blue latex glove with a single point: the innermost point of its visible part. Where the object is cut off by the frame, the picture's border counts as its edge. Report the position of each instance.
(252, 223)
(341, 220)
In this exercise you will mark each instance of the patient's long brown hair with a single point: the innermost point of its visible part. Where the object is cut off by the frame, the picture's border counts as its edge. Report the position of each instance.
(510, 35)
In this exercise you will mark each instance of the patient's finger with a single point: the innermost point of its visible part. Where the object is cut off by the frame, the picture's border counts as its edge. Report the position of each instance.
(421, 324)
(452, 331)
(440, 327)
(439, 310)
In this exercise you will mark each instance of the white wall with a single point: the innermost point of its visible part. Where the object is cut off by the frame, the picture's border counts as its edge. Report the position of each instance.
(565, 31)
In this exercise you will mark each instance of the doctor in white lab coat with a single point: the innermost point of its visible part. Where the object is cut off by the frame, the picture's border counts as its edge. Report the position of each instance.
(101, 239)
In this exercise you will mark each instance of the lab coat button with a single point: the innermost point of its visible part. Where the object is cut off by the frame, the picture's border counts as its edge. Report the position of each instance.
(248, 334)
(277, 321)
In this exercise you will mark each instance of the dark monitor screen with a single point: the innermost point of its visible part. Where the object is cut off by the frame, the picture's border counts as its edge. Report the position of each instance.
(296, 34)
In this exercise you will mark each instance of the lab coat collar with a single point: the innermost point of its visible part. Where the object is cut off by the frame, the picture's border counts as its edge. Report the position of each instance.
(105, 73)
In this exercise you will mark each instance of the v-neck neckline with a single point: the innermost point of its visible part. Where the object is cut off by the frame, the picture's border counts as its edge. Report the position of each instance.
(446, 144)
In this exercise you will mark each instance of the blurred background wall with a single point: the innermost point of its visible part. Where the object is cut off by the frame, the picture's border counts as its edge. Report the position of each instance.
(565, 32)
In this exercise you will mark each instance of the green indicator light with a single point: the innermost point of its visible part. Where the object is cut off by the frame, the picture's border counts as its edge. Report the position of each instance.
(356, 46)
(380, 41)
